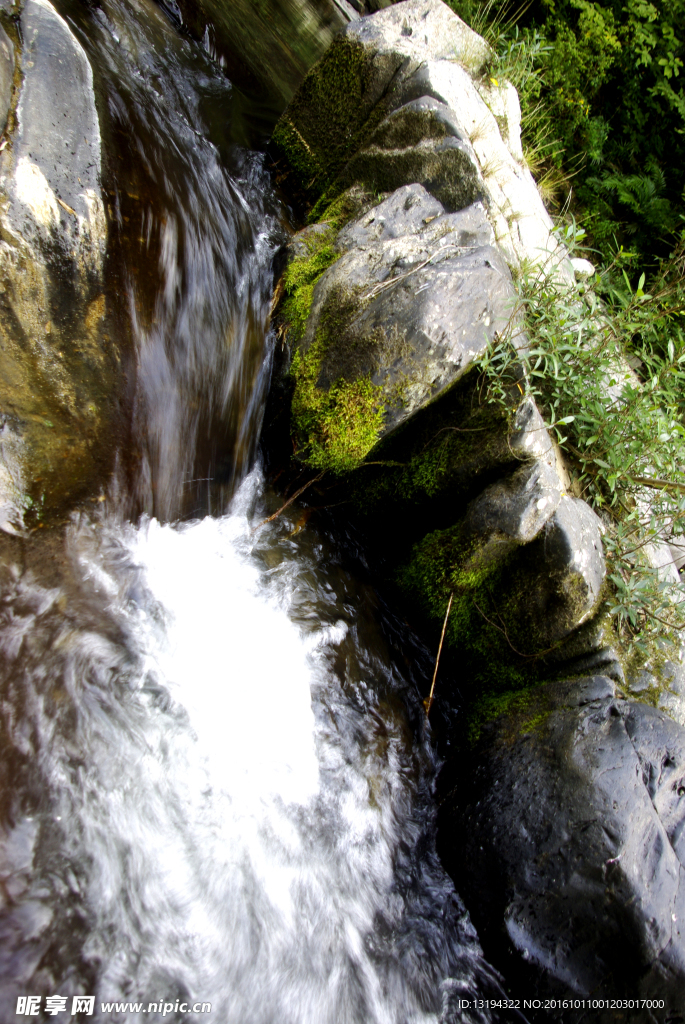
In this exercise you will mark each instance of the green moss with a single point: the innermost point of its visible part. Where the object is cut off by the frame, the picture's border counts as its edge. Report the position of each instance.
(527, 711)
(332, 113)
(341, 210)
(449, 174)
(452, 561)
(407, 128)
(484, 579)
(299, 279)
(337, 411)
(446, 451)
(336, 427)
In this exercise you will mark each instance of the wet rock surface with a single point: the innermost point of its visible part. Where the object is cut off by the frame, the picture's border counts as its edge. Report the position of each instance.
(519, 506)
(570, 837)
(58, 370)
(566, 571)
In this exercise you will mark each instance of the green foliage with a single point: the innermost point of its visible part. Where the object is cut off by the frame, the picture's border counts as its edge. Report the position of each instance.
(621, 430)
(603, 109)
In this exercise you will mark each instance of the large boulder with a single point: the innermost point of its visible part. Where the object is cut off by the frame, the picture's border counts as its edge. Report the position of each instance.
(413, 298)
(569, 843)
(58, 368)
(406, 96)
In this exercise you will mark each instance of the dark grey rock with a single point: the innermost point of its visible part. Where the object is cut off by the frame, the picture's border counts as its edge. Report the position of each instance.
(468, 228)
(566, 565)
(411, 210)
(589, 650)
(569, 844)
(421, 110)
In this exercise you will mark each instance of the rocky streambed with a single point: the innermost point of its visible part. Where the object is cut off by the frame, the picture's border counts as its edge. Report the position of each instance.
(138, 231)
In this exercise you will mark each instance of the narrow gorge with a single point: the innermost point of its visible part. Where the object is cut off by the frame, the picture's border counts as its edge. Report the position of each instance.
(261, 266)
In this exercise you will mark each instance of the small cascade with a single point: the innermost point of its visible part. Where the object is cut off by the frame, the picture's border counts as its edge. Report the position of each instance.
(215, 784)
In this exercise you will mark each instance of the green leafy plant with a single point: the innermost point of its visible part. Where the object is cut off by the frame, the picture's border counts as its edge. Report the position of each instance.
(609, 377)
(602, 94)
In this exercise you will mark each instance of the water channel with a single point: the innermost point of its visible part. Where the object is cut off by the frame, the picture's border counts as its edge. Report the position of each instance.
(217, 785)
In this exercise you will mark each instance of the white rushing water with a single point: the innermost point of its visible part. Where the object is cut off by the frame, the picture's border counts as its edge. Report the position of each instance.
(217, 793)
(215, 783)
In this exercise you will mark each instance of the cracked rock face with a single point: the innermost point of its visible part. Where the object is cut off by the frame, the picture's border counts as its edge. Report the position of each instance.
(571, 845)
(426, 292)
(57, 368)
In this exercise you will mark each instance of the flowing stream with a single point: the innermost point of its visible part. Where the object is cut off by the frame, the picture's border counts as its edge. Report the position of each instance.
(215, 781)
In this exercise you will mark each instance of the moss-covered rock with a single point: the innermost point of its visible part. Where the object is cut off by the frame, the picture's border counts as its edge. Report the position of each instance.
(419, 142)
(336, 108)
(347, 95)
(406, 314)
(525, 596)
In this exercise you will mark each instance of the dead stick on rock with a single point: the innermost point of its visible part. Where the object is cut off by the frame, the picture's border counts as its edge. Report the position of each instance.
(428, 703)
(295, 496)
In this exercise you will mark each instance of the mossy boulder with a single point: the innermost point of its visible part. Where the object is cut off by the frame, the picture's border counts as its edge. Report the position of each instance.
(346, 96)
(392, 318)
(405, 96)
(513, 600)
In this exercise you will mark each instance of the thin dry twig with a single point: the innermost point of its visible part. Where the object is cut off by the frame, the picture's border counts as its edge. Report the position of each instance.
(442, 251)
(428, 702)
(657, 484)
(65, 207)
(295, 496)
(503, 631)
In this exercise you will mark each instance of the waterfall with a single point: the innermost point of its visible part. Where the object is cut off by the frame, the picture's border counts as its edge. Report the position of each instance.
(216, 783)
